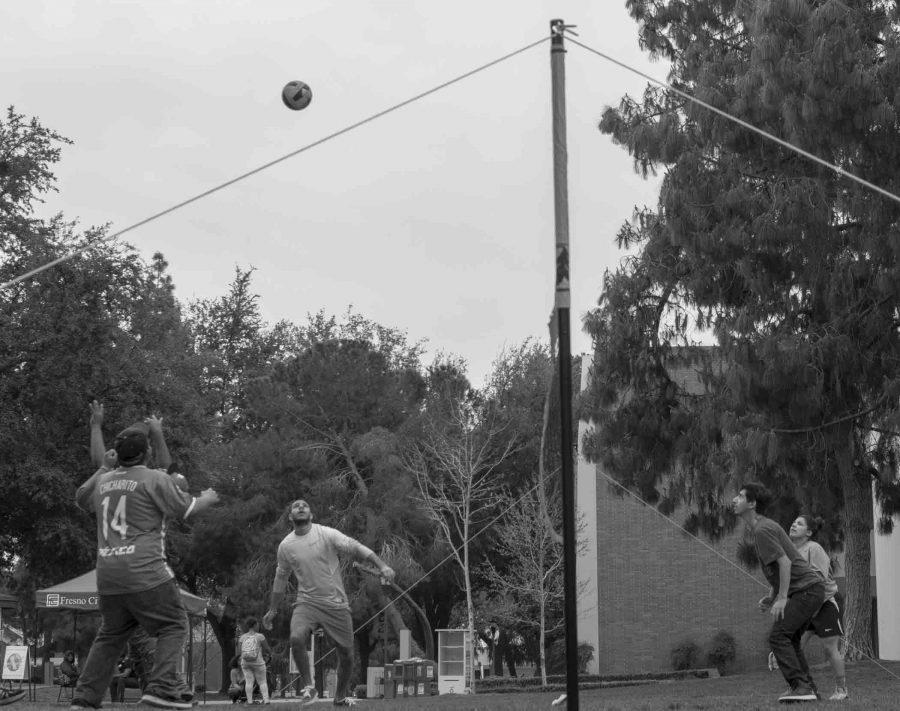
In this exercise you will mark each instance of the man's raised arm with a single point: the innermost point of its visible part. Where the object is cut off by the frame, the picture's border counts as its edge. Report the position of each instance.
(160, 449)
(98, 449)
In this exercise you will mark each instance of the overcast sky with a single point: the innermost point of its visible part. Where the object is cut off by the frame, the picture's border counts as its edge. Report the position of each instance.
(436, 219)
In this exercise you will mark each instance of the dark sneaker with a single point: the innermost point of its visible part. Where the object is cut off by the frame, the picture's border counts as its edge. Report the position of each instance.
(346, 701)
(798, 692)
(308, 695)
(167, 702)
(79, 704)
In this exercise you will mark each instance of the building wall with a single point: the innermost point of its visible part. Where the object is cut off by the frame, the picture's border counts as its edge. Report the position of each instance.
(658, 586)
(886, 559)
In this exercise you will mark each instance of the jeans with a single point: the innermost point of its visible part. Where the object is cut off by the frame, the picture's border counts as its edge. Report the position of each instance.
(784, 639)
(160, 613)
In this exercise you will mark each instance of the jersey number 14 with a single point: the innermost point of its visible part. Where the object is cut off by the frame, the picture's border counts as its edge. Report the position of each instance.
(117, 522)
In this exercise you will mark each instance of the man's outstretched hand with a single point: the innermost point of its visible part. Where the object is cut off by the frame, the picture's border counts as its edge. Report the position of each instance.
(96, 413)
(110, 459)
(268, 619)
(387, 574)
(154, 423)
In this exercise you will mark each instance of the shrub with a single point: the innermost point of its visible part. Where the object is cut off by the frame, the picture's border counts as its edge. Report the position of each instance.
(684, 655)
(722, 651)
(361, 691)
(556, 657)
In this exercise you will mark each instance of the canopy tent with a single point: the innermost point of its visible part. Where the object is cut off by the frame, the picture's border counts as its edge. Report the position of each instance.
(81, 594)
(7, 602)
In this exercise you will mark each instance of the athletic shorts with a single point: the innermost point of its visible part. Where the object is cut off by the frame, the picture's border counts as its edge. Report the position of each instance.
(336, 621)
(828, 621)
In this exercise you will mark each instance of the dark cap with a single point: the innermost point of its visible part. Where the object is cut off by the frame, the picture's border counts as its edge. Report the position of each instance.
(132, 444)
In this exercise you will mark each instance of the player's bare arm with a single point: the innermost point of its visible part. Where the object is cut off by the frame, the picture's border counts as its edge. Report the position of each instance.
(158, 440)
(784, 581)
(98, 448)
(369, 556)
(279, 586)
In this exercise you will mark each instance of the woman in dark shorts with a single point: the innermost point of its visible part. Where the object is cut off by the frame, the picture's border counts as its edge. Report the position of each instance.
(828, 622)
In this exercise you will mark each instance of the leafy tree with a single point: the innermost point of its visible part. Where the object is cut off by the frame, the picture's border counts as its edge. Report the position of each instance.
(523, 391)
(236, 346)
(67, 334)
(791, 267)
(532, 577)
(317, 416)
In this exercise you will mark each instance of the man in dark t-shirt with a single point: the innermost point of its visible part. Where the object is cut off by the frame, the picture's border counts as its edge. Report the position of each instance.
(798, 590)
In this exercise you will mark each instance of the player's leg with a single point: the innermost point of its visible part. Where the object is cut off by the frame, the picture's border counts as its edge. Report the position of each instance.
(338, 624)
(116, 625)
(161, 614)
(785, 637)
(303, 620)
(829, 627)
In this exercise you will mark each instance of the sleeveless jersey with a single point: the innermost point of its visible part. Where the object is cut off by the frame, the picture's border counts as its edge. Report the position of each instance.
(132, 506)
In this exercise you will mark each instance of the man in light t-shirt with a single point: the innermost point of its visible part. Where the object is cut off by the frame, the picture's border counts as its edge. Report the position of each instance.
(310, 552)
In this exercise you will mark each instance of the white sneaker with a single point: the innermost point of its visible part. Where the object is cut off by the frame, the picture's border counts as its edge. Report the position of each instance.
(798, 692)
(559, 700)
(773, 663)
(308, 695)
(840, 694)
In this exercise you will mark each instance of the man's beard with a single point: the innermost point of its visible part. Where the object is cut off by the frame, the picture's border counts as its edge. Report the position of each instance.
(301, 520)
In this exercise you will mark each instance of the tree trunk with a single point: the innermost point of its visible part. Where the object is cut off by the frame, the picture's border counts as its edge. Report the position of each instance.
(364, 647)
(857, 519)
(470, 609)
(354, 470)
(223, 629)
(542, 654)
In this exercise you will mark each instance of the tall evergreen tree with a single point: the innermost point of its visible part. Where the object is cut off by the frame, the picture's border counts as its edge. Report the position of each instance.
(791, 267)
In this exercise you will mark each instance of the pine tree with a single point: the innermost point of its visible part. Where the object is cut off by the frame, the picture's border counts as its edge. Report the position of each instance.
(790, 266)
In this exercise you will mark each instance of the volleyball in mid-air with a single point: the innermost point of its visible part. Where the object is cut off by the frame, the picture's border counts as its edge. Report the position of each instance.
(296, 95)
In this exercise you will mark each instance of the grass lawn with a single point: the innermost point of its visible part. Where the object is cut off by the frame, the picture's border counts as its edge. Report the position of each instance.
(871, 688)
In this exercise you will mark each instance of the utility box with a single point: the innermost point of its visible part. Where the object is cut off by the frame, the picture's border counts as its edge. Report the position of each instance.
(375, 683)
(454, 661)
(426, 678)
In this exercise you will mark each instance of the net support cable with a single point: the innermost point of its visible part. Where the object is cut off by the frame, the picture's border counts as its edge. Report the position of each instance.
(749, 126)
(272, 163)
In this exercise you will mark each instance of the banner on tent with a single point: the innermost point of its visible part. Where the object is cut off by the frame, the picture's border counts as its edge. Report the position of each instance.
(15, 663)
(78, 601)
